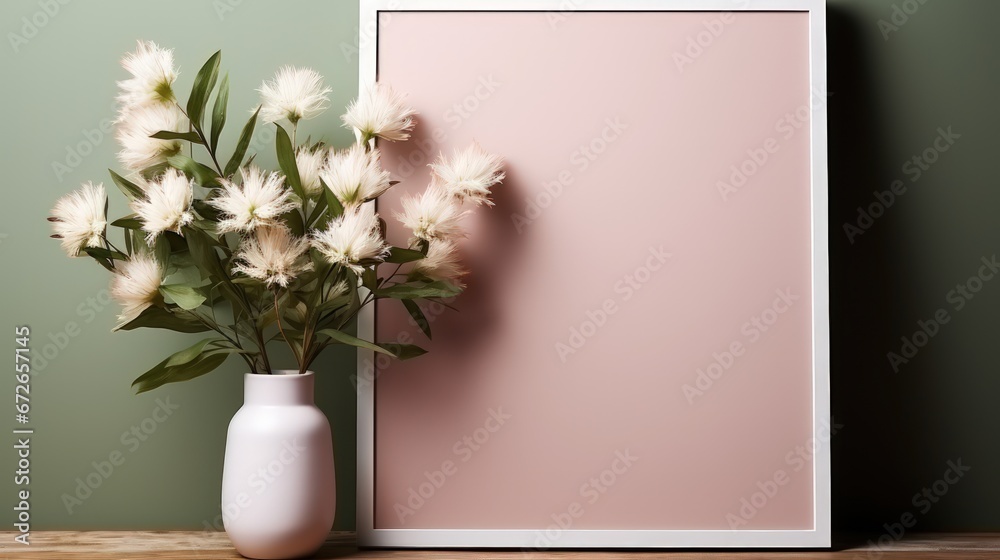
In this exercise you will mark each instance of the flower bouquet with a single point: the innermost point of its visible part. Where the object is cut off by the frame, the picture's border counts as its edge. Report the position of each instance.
(255, 256)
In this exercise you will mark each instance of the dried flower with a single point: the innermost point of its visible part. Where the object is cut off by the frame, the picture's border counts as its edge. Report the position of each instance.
(441, 263)
(78, 218)
(259, 202)
(355, 175)
(136, 285)
(139, 149)
(469, 174)
(167, 205)
(310, 163)
(274, 256)
(351, 238)
(379, 113)
(293, 94)
(432, 215)
(153, 75)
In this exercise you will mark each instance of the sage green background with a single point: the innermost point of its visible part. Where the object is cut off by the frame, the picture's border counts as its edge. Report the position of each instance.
(940, 69)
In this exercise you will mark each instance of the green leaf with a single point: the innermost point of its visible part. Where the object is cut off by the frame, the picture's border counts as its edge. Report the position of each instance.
(101, 252)
(242, 145)
(206, 210)
(403, 351)
(185, 296)
(129, 188)
(128, 222)
(333, 207)
(286, 160)
(171, 135)
(202, 174)
(160, 318)
(398, 255)
(188, 354)
(128, 240)
(317, 211)
(203, 253)
(293, 219)
(161, 250)
(368, 279)
(204, 81)
(344, 338)
(418, 316)
(219, 111)
(437, 289)
(203, 357)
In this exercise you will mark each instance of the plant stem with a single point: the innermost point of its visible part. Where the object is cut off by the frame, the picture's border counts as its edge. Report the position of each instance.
(277, 316)
(251, 363)
(204, 141)
(111, 245)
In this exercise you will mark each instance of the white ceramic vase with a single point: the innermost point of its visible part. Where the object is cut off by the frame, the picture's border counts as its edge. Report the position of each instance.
(278, 488)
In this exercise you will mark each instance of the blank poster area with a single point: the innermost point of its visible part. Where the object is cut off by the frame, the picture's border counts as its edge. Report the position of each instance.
(634, 349)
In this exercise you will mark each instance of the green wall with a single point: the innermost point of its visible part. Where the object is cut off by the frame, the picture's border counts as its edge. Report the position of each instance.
(62, 84)
(940, 69)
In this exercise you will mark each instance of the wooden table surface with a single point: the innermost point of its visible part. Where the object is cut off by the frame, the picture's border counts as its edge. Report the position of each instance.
(197, 545)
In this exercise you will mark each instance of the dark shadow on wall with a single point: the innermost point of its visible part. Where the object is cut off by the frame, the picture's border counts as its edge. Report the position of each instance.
(873, 450)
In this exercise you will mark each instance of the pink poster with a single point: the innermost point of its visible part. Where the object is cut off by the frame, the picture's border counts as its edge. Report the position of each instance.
(636, 353)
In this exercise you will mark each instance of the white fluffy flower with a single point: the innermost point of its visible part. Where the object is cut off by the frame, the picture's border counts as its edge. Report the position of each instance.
(380, 112)
(78, 218)
(139, 151)
(351, 238)
(355, 176)
(136, 285)
(274, 256)
(442, 262)
(260, 201)
(293, 94)
(153, 75)
(167, 205)
(432, 214)
(310, 163)
(469, 174)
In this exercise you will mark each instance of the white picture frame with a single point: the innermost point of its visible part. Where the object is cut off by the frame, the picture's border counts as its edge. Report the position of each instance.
(819, 535)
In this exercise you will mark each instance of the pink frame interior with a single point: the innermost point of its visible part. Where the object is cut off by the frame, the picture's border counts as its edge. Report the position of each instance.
(635, 351)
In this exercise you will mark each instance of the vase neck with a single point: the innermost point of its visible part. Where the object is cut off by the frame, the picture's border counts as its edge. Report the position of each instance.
(283, 387)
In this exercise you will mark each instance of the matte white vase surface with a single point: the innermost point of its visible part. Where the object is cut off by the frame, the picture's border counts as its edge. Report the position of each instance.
(278, 487)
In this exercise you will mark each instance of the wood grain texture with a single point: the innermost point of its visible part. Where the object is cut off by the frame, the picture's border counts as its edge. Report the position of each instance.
(197, 545)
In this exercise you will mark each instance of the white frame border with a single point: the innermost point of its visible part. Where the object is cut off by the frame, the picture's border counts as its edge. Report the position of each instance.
(819, 535)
